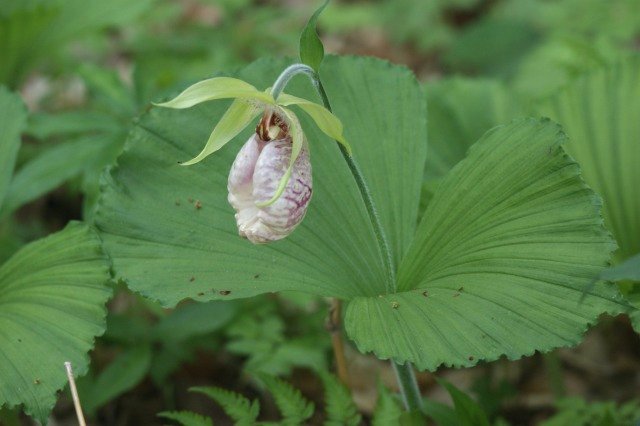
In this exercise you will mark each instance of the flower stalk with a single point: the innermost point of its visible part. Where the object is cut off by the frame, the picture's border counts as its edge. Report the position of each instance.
(404, 372)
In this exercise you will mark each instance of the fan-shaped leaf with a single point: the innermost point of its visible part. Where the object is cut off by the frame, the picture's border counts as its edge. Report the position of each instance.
(52, 295)
(500, 260)
(600, 114)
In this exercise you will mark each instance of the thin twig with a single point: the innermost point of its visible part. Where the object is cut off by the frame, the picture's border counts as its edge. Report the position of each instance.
(334, 325)
(74, 394)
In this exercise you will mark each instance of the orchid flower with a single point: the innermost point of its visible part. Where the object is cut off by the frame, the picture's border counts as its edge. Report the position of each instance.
(270, 182)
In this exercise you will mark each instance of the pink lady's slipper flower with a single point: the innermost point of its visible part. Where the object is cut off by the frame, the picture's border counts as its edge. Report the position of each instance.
(270, 182)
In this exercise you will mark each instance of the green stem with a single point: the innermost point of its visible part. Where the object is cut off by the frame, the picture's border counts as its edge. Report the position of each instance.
(408, 386)
(404, 373)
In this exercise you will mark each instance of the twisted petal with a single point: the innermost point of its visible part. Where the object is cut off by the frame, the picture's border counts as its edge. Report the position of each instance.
(217, 88)
(324, 119)
(237, 117)
(255, 177)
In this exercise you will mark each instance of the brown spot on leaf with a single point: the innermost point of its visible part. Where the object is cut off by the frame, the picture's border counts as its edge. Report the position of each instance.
(425, 293)
(256, 276)
(225, 292)
(200, 294)
(192, 279)
(395, 305)
(471, 358)
(198, 205)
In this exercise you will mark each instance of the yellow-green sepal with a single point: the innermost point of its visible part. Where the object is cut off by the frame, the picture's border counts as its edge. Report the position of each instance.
(217, 88)
(324, 119)
(238, 116)
(297, 141)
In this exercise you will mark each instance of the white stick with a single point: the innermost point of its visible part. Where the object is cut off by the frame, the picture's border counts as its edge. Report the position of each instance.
(74, 394)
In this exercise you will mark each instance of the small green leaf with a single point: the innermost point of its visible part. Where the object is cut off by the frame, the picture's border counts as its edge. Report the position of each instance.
(237, 117)
(187, 418)
(121, 375)
(52, 294)
(388, 409)
(13, 120)
(297, 137)
(311, 49)
(324, 119)
(217, 88)
(55, 165)
(194, 319)
(468, 411)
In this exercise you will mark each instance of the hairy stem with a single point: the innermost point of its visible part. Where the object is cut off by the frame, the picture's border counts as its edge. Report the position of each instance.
(408, 386)
(404, 373)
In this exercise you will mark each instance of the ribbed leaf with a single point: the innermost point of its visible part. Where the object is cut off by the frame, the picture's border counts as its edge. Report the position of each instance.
(52, 294)
(600, 114)
(169, 248)
(384, 113)
(13, 121)
(500, 260)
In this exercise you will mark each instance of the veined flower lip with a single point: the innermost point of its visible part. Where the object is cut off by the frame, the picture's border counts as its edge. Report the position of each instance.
(254, 177)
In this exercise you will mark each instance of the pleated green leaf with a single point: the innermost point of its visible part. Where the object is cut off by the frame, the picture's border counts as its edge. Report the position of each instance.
(601, 114)
(172, 234)
(12, 122)
(500, 260)
(384, 114)
(52, 294)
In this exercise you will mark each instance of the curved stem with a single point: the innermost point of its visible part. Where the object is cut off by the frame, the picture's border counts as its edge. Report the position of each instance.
(404, 373)
(288, 74)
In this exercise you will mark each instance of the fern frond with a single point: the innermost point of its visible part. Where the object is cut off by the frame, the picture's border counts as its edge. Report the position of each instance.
(243, 411)
(339, 406)
(295, 409)
(187, 418)
(388, 410)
